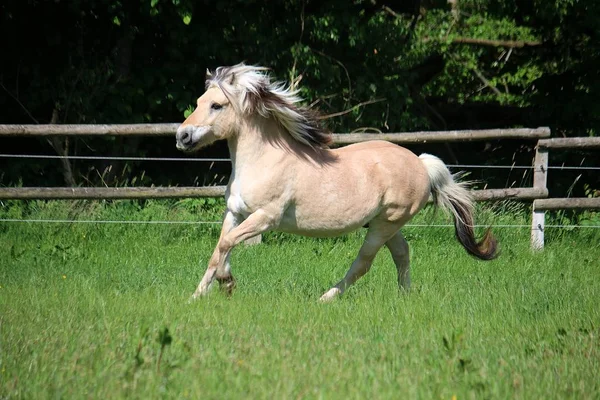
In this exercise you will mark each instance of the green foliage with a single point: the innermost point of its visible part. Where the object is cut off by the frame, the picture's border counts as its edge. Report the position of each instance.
(150, 67)
(145, 61)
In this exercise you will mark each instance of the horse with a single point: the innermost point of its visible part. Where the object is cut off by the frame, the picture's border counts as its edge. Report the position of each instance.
(286, 178)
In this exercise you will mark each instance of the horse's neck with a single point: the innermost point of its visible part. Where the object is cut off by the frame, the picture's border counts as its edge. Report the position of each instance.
(260, 144)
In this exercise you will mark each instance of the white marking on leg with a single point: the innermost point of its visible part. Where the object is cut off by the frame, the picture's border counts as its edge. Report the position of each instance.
(330, 294)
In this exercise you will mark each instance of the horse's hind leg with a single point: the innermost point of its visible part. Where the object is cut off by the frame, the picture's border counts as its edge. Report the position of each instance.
(377, 235)
(398, 246)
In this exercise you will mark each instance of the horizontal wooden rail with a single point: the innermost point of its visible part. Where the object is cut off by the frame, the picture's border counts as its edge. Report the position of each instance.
(90, 130)
(338, 138)
(570, 143)
(97, 193)
(574, 203)
(538, 193)
(510, 194)
(442, 136)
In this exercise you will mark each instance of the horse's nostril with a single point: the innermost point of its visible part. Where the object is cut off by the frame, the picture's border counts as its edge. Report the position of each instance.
(185, 137)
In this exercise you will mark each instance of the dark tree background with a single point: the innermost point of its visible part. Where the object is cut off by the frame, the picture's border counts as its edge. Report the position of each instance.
(389, 66)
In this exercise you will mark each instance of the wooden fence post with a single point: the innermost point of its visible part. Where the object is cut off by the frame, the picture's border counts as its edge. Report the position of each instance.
(538, 217)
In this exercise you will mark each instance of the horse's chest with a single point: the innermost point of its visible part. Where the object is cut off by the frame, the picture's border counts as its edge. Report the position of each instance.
(237, 205)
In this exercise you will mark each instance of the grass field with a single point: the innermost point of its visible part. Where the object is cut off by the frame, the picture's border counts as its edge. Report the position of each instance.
(101, 311)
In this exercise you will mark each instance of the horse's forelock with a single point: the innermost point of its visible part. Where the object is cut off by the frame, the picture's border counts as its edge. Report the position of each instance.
(252, 88)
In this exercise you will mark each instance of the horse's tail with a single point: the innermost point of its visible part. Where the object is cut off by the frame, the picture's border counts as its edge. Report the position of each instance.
(454, 196)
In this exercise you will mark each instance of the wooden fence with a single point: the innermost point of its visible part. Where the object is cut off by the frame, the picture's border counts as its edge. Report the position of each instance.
(538, 192)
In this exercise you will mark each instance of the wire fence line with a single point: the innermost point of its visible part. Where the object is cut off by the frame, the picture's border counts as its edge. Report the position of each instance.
(164, 222)
(94, 221)
(189, 159)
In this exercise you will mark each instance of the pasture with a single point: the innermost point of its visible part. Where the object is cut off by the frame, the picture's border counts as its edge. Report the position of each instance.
(102, 311)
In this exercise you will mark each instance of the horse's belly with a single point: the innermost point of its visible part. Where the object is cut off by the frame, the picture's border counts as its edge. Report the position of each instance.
(319, 221)
(317, 230)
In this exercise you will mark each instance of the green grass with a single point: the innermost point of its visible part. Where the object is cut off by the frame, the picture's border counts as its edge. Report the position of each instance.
(83, 309)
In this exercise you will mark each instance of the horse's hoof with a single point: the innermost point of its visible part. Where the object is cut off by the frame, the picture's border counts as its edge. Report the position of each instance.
(197, 294)
(330, 295)
(227, 285)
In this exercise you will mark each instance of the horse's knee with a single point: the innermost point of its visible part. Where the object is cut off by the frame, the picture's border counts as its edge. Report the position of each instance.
(224, 245)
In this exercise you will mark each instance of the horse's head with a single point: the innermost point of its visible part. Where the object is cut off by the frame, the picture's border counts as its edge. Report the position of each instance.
(245, 91)
(213, 119)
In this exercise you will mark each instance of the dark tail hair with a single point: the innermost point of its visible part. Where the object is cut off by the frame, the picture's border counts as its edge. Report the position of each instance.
(454, 197)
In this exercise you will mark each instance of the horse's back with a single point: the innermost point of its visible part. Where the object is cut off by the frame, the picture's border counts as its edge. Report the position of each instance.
(372, 145)
(393, 161)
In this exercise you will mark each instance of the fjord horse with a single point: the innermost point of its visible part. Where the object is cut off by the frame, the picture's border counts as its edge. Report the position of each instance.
(286, 178)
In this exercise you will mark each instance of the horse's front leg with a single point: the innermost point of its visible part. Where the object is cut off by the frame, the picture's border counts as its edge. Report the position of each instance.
(223, 274)
(218, 267)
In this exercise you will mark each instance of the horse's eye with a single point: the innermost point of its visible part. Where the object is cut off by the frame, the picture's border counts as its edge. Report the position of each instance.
(216, 106)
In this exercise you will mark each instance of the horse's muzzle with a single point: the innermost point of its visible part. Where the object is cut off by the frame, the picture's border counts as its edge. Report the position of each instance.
(189, 135)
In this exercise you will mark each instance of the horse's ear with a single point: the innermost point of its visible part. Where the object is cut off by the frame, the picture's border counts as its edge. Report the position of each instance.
(208, 74)
(232, 78)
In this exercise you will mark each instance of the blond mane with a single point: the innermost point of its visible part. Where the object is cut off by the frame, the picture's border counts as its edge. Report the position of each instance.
(250, 90)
